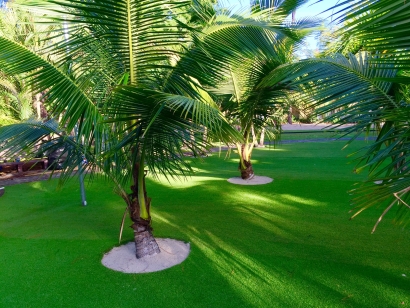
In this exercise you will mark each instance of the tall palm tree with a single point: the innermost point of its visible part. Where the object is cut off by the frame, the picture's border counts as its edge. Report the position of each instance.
(126, 83)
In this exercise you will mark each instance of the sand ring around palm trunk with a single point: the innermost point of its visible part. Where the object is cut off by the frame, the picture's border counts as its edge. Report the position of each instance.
(256, 180)
(122, 258)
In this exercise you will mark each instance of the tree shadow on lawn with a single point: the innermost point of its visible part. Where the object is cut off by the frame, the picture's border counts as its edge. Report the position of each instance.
(359, 285)
(260, 244)
(296, 281)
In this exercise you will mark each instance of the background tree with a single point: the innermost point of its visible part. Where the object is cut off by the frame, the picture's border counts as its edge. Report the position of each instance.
(16, 97)
(253, 109)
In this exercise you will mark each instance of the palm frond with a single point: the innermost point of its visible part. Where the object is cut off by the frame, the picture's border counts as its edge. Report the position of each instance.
(379, 26)
(64, 96)
(356, 90)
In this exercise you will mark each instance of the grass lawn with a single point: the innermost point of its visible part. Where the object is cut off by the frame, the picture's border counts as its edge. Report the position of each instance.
(285, 244)
(321, 135)
(303, 135)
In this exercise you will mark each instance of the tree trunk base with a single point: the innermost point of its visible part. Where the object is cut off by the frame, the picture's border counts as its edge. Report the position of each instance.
(145, 244)
(247, 174)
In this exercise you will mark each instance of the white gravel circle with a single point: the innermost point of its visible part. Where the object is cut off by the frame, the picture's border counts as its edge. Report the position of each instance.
(256, 180)
(122, 258)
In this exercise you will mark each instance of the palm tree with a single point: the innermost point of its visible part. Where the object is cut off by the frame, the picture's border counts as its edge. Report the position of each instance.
(380, 27)
(252, 108)
(126, 83)
(370, 90)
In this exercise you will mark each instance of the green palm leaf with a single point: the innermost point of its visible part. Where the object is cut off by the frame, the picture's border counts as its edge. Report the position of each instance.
(361, 91)
(64, 96)
(380, 26)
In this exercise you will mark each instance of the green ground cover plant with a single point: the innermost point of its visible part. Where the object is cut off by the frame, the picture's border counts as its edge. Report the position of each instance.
(285, 244)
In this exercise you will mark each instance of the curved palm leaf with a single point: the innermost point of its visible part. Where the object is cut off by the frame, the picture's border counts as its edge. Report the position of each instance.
(362, 93)
(64, 96)
(38, 139)
(380, 25)
(345, 82)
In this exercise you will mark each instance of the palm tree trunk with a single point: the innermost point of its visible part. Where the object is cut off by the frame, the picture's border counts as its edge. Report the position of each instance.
(139, 210)
(204, 139)
(262, 138)
(254, 138)
(37, 105)
(290, 116)
(247, 172)
(245, 165)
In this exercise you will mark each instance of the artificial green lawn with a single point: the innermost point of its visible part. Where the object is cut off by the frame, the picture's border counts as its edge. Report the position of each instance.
(285, 244)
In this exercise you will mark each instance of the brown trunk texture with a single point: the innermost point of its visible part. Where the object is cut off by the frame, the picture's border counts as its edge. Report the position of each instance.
(247, 173)
(145, 244)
